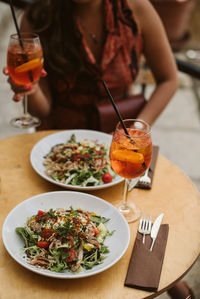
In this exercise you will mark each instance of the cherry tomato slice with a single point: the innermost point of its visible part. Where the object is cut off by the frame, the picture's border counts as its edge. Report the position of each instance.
(107, 177)
(96, 232)
(43, 244)
(40, 213)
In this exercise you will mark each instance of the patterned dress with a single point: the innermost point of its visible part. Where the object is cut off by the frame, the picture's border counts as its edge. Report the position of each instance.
(74, 98)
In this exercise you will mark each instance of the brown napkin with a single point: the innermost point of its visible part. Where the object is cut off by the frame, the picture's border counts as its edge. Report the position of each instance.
(151, 169)
(145, 266)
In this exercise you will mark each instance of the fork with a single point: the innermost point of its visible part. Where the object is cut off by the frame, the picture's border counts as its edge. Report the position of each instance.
(145, 180)
(145, 226)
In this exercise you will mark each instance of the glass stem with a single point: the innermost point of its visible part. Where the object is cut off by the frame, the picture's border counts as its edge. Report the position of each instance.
(25, 105)
(125, 194)
(132, 183)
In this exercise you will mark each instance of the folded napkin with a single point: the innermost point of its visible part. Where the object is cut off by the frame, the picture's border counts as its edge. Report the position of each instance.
(151, 168)
(145, 266)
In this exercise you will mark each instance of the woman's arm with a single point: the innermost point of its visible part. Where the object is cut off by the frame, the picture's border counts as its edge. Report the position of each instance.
(159, 58)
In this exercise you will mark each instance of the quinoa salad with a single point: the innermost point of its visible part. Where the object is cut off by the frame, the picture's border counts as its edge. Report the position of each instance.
(60, 239)
(79, 163)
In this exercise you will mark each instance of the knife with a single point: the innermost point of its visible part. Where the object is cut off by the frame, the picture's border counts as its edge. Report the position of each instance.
(155, 229)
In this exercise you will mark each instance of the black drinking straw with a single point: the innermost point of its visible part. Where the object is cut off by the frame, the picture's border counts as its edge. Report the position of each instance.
(19, 35)
(116, 109)
(16, 25)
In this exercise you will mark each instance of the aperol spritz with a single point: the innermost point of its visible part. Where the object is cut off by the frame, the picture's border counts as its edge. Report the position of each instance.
(130, 156)
(25, 64)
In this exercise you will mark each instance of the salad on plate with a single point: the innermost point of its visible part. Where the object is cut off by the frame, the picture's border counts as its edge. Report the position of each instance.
(79, 163)
(60, 239)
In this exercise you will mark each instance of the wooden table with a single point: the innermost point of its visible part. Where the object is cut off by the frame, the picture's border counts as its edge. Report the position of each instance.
(173, 193)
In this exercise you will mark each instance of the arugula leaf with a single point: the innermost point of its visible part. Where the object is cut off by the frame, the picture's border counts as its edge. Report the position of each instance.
(28, 236)
(22, 232)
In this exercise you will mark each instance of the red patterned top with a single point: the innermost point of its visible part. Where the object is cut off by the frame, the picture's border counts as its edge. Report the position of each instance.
(74, 98)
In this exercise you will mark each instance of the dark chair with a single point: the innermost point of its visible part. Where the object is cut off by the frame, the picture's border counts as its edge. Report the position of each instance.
(188, 68)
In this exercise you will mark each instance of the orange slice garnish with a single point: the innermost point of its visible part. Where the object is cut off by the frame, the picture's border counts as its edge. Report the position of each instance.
(117, 167)
(27, 66)
(128, 156)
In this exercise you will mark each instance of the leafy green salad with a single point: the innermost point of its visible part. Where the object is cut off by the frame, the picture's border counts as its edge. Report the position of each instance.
(83, 163)
(60, 239)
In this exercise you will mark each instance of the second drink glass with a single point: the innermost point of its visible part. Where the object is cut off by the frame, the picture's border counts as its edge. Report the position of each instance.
(25, 64)
(130, 156)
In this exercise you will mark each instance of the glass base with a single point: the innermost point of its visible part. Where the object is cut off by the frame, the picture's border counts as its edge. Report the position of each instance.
(130, 212)
(25, 122)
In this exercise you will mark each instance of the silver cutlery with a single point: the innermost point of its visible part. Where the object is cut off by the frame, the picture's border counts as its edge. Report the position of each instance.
(155, 229)
(145, 180)
(145, 226)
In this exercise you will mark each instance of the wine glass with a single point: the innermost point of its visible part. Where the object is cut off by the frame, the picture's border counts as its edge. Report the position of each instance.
(130, 156)
(25, 64)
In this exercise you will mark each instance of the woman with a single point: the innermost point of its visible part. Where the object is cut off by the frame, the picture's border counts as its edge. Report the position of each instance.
(85, 41)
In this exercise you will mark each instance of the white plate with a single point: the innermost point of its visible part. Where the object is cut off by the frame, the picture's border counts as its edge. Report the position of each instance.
(43, 147)
(117, 243)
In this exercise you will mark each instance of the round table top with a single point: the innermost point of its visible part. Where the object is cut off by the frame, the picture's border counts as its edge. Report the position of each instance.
(172, 193)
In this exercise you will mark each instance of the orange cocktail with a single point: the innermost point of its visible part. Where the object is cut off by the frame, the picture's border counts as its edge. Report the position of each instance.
(25, 65)
(130, 158)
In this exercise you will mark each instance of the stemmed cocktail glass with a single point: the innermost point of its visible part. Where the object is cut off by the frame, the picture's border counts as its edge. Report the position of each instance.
(130, 156)
(25, 64)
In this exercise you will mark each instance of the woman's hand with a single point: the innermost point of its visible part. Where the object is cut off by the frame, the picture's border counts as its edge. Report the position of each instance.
(21, 90)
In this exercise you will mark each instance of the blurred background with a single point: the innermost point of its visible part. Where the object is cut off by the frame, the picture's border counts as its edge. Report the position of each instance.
(177, 130)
